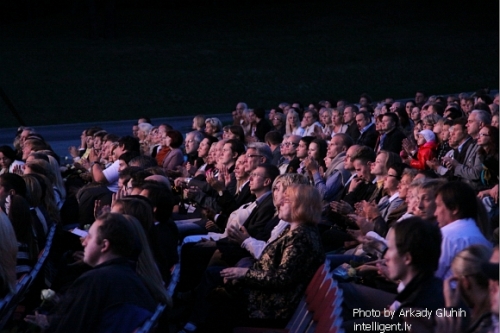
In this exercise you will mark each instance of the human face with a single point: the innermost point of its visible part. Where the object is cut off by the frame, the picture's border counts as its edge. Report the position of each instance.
(285, 209)
(302, 149)
(387, 124)
(473, 125)
(239, 168)
(121, 165)
(204, 148)
(24, 135)
(326, 119)
(494, 121)
(3, 195)
(92, 249)
(348, 115)
(443, 215)
(444, 135)
(5, 162)
(420, 140)
(484, 137)
(347, 161)
(337, 118)
(97, 143)
(209, 129)
(408, 108)
(26, 150)
(415, 113)
(278, 193)
(361, 121)
(253, 160)
(335, 147)
(426, 204)
(190, 144)
(308, 118)
(391, 182)
(252, 117)
(313, 151)
(419, 98)
(227, 156)
(412, 199)
(397, 265)
(457, 135)
(468, 107)
(378, 168)
(292, 118)
(362, 170)
(272, 113)
(403, 186)
(276, 120)
(258, 181)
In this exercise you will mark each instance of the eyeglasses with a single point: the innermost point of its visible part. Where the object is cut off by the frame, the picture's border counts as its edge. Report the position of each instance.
(189, 141)
(397, 177)
(276, 118)
(286, 144)
(250, 156)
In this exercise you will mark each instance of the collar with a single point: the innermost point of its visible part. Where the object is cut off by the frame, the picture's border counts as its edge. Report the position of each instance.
(364, 129)
(459, 148)
(393, 197)
(262, 197)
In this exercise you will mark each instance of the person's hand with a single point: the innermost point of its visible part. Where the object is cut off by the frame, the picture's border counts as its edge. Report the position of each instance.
(365, 269)
(211, 226)
(451, 291)
(408, 146)
(192, 192)
(341, 207)
(73, 151)
(100, 209)
(37, 319)
(18, 169)
(216, 184)
(432, 164)
(237, 234)
(363, 224)
(450, 162)
(85, 163)
(78, 256)
(383, 270)
(354, 184)
(493, 193)
(118, 195)
(234, 273)
(311, 164)
(179, 181)
(370, 210)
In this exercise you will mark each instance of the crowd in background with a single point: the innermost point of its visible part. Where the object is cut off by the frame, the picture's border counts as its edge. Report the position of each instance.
(401, 198)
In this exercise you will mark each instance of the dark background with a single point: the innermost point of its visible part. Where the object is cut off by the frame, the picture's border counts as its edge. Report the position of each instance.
(171, 58)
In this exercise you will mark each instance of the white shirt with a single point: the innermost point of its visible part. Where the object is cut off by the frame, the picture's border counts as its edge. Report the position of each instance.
(111, 175)
(256, 247)
(456, 237)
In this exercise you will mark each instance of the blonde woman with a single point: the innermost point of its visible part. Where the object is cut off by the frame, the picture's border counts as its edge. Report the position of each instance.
(338, 125)
(293, 123)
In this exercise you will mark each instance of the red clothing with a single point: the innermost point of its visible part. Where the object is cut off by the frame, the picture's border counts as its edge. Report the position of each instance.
(426, 152)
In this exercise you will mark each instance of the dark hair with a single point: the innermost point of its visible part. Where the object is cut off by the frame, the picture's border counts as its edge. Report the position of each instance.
(322, 148)
(139, 207)
(271, 171)
(404, 119)
(8, 152)
(147, 119)
(460, 196)
(236, 130)
(126, 174)
(462, 122)
(176, 138)
(259, 112)
(129, 143)
(364, 154)
(120, 234)
(273, 137)
(236, 146)
(422, 240)
(11, 181)
(307, 140)
(438, 108)
(482, 106)
(493, 145)
(128, 156)
(22, 222)
(366, 115)
(393, 116)
(313, 113)
(139, 178)
(399, 167)
(143, 161)
(110, 137)
(161, 198)
(211, 139)
(367, 97)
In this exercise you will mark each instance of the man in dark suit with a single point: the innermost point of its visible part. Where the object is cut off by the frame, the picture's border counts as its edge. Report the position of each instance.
(392, 137)
(350, 112)
(368, 134)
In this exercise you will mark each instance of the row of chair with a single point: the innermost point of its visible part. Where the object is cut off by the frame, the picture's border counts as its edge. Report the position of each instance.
(319, 310)
(9, 303)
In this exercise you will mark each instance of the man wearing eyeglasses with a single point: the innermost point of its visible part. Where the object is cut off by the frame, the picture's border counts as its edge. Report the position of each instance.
(288, 151)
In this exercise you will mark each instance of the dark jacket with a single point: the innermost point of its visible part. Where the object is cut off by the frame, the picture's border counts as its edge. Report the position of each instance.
(369, 137)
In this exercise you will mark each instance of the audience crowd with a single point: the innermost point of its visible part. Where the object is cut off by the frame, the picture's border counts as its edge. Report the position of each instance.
(401, 198)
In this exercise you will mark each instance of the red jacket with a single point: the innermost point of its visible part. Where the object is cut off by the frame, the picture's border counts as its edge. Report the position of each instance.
(426, 152)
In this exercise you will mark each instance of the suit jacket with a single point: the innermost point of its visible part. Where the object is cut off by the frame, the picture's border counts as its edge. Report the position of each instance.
(262, 128)
(230, 203)
(393, 141)
(353, 131)
(260, 216)
(173, 159)
(369, 137)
